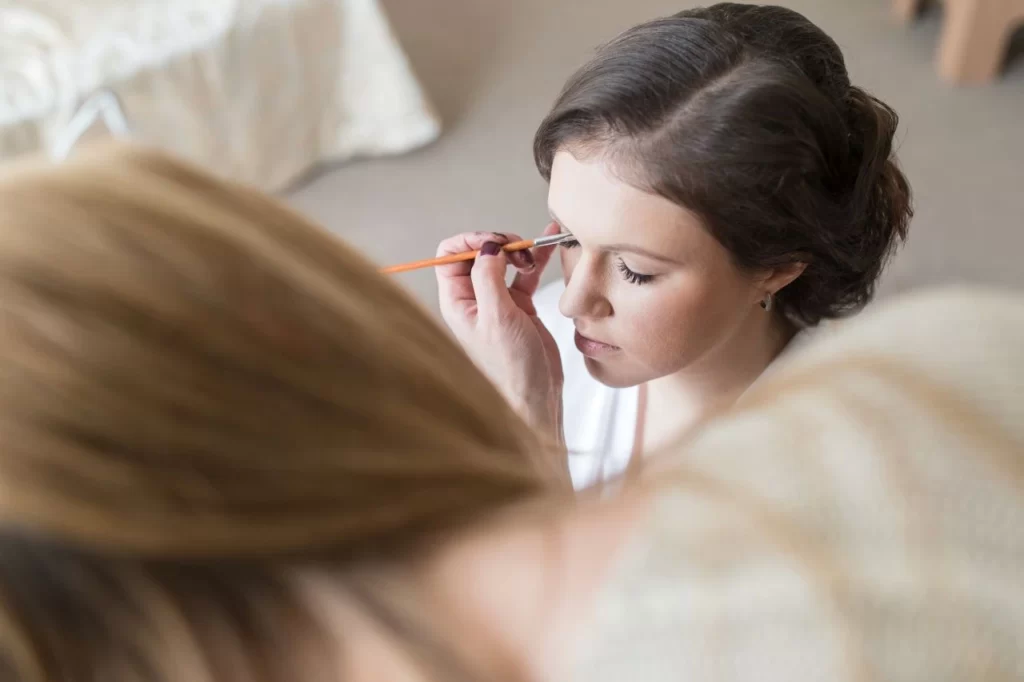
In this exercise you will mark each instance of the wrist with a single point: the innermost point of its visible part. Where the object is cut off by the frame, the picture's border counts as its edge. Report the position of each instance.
(544, 414)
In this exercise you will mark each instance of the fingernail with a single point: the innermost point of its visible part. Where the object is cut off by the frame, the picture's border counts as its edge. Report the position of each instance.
(490, 249)
(501, 235)
(528, 257)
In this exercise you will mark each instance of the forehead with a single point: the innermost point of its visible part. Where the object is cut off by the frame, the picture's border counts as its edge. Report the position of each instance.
(600, 209)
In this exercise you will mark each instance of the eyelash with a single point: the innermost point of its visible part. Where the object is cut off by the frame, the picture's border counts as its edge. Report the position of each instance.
(633, 277)
(630, 276)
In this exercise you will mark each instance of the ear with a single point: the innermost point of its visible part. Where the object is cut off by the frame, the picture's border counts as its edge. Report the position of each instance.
(777, 279)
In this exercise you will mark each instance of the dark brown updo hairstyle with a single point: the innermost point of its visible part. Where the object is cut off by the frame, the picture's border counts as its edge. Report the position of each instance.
(746, 116)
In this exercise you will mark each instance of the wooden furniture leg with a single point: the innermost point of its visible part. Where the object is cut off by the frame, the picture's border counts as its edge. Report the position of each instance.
(975, 37)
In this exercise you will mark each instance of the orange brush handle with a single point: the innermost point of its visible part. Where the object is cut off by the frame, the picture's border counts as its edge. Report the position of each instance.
(454, 258)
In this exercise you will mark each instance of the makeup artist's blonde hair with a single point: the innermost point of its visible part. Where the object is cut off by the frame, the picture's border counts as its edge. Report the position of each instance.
(199, 391)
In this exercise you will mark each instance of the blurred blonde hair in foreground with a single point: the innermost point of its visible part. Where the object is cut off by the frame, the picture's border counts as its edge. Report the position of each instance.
(207, 403)
(198, 390)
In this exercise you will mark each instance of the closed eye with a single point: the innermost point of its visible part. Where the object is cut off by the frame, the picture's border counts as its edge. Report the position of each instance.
(633, 277)
(630, 276)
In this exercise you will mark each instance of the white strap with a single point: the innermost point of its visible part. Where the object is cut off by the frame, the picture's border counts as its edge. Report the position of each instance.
(103, 104)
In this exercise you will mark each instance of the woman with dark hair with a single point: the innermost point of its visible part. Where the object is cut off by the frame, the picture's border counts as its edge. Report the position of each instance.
(728, 188)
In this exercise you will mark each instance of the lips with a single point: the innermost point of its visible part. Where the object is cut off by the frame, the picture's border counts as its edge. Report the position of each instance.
(593, 348)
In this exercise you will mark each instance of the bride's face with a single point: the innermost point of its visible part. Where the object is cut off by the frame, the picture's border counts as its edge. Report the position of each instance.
(650, 291)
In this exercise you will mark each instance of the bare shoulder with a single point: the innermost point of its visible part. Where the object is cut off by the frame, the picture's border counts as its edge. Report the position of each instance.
(533, 576)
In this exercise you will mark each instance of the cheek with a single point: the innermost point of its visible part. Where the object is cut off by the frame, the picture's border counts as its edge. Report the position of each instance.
(671, 324)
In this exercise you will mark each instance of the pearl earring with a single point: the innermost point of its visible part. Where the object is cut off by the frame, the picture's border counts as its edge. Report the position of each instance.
(767, 302)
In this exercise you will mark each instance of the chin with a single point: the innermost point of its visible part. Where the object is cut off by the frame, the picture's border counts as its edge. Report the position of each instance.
(612, 376)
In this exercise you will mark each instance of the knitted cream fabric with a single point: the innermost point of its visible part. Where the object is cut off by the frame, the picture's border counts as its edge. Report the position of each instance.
(257, 90)
(859, 516)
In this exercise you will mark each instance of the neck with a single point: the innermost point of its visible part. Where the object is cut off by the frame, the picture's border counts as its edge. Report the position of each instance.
(720, 376)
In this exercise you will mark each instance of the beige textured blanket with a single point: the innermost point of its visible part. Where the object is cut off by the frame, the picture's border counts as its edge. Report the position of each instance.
(858, 516)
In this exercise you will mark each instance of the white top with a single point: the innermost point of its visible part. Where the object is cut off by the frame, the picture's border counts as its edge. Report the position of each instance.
(599, 421)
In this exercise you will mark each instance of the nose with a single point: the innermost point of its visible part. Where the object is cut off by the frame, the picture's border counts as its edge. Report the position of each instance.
(584, 289)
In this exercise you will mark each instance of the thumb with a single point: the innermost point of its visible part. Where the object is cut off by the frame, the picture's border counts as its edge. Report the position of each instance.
(488, 274)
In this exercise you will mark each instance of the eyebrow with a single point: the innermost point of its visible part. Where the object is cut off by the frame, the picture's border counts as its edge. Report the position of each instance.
(618, 248)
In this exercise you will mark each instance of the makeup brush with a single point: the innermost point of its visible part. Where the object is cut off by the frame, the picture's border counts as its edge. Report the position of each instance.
(550, 240)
